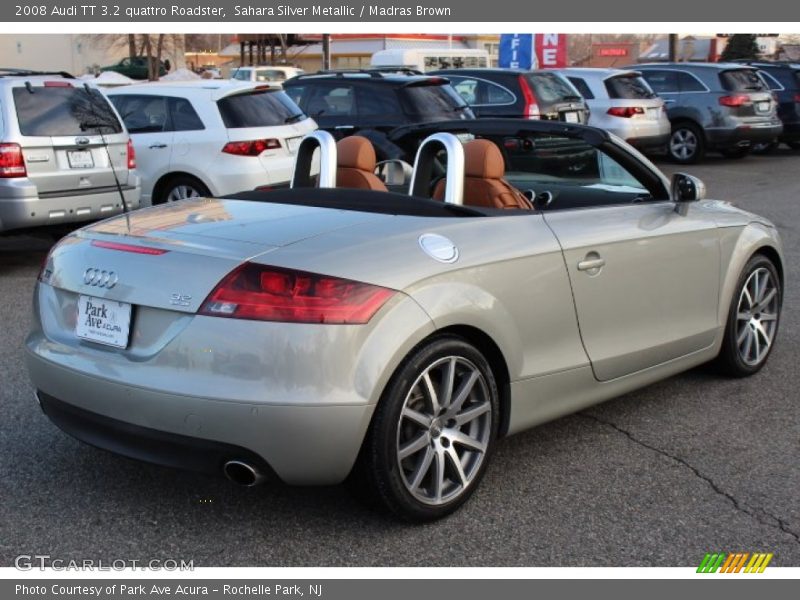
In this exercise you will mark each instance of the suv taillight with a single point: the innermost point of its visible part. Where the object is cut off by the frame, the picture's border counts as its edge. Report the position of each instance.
(531, 110)
(251, 147)
(736, 100)
(625, 111)
(265, 293)
(131, 156)
(12, 163)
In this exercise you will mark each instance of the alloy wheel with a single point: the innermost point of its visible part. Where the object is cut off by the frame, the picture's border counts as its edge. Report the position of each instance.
(756, 317)
(683, 144)
(444, 430)
(181, 192)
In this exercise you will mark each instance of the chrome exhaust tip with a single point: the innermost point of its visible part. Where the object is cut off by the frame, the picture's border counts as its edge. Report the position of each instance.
(242, 473)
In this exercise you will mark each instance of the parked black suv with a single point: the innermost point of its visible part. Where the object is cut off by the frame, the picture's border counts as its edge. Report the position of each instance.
(713, 106)
(783, 79)
(518, 94)
(373, 102)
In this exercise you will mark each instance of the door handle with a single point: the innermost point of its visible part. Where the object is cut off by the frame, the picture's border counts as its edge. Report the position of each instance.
(669, 101)
(158, 145)
(345, 127)
(591, 264)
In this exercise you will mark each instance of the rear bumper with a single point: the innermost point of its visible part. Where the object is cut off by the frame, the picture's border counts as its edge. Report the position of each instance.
(653, 143)
(146, 444)
(743, 135)
(22, 207)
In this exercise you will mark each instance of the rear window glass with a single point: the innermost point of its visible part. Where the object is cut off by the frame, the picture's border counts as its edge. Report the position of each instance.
(628, 87)
(742, 80)
(433, 101)
(257, 109)
(56, 111)
(549, 87)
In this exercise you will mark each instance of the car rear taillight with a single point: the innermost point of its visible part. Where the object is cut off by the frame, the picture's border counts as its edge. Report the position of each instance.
(736, 100)
(531, 110)
(625, 111)
(265, 293)
(131, 156)
(251, 147)
(797, 98)
(12, 163)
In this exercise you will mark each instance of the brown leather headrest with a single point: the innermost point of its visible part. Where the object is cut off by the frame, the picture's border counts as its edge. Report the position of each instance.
(482, 159)
(356, 152)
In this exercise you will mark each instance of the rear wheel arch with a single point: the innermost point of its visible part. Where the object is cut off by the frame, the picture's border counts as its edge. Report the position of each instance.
(164, 181)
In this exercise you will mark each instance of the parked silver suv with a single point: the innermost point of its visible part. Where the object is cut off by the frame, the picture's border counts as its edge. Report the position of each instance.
(622, 103)
(64, 153)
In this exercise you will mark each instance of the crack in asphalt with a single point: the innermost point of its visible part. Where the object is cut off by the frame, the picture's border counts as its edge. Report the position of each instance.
(739, 506)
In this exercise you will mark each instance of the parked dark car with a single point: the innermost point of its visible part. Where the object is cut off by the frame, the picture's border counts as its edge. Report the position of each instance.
(136, 67)
(374, 102)
(783, 79)
(519, 94)
(713, 106)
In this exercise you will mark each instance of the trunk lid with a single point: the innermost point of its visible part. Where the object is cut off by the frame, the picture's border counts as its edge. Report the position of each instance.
(172, 256)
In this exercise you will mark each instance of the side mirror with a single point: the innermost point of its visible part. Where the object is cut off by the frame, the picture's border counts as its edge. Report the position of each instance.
(687, 188)
(394, 172)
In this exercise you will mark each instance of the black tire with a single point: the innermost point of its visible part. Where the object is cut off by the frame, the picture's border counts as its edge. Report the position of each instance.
(736, 153)
(687, 143)
(383, 477)
(733, 360)
(175, 183)
(793, 145)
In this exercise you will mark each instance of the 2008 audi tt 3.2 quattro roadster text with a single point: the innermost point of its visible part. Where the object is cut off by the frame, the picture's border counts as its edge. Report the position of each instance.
(387, 324)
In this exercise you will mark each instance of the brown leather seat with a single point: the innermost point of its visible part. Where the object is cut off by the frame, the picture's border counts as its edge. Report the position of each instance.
(484, 185)
(356, 164)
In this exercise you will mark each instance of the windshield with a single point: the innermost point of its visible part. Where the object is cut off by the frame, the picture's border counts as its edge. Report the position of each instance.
(258, 109)
(56, 111)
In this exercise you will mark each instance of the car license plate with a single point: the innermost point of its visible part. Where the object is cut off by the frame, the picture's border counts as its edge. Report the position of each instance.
(292, 144)
(652, 113)
(103, 321)
(80, 159)
(762, 106)
(571, 117)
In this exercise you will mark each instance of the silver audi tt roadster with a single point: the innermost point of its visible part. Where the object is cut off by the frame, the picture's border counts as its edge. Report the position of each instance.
(387, 323)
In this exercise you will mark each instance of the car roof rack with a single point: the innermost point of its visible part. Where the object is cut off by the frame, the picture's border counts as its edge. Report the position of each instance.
(373, 72)
(12, 72)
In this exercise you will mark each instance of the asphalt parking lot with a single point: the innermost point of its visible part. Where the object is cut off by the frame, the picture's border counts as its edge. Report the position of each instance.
(656, 478)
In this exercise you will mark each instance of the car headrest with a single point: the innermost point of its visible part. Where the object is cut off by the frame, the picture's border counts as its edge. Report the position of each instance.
(483, 160)
(356, 152)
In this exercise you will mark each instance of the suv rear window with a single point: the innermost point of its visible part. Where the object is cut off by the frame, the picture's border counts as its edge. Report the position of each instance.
(742, 80)
(549, 87)
(432, 101)
(628, 87)
(257, 109)
(56, 111)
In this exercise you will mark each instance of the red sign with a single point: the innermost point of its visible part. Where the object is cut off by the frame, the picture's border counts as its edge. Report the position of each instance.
(612, 52)
(551, 50)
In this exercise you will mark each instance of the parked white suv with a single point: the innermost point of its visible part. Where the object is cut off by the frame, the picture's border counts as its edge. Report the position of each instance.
(210, 137)
(63, 152)
(271, 73)
(623, 103)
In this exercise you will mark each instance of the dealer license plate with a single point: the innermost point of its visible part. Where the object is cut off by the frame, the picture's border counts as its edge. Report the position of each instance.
(103, 321)
(571, 117)
(80, 159)
(293, 143)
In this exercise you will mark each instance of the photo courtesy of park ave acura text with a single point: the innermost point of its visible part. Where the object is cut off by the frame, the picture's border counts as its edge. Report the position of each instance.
(289, 285)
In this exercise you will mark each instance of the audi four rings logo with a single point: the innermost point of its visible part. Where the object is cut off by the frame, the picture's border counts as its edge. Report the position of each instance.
(98, 278)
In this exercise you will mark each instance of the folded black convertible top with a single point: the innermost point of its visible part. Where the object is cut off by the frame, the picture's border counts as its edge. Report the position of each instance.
(389, 203)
